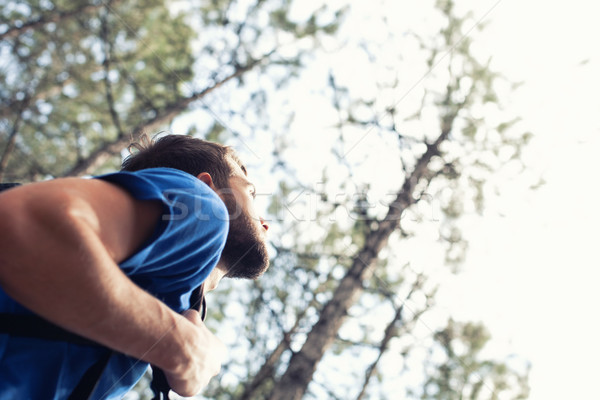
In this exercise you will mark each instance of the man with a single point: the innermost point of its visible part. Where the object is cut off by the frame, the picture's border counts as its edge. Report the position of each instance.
(115, 259)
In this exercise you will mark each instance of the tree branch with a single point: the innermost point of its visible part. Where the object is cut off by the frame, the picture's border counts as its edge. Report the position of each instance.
(106, 64)
(12, 137)
(57, 16)
(108, 149)
(390, 332)
(266, 371)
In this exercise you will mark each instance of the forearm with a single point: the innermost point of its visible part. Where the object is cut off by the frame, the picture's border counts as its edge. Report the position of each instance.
(56, 265)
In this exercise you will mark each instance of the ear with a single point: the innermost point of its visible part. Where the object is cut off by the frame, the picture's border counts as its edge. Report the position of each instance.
(206, 178)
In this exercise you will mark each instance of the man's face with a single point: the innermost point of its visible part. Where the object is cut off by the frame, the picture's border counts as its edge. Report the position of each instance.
(245, 254)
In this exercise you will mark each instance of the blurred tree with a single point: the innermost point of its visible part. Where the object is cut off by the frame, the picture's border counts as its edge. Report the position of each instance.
(463, 375)
(343, 296)
(71, 70)
(82, 79)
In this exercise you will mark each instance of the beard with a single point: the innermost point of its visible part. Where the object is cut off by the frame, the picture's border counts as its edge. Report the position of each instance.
(245, 253)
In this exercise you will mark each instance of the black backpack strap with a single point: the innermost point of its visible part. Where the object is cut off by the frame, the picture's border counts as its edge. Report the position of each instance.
(160, 387)
(5, 186)
(89, 381)
(34, 327)
(198, 301)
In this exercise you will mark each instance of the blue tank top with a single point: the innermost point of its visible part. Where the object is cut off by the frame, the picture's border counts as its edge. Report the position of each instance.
(184, 248)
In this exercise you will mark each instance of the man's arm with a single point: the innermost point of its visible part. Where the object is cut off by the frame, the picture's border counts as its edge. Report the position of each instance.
(60, 245)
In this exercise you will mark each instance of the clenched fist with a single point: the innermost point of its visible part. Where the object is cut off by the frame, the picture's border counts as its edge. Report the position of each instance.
(203, 354)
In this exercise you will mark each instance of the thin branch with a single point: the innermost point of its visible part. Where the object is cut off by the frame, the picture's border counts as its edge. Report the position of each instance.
(12, 137)
(266, 371)
(108, 52)
(57, 16)
(308, 256)
(108, 149)
(139, 93)
(390, 332)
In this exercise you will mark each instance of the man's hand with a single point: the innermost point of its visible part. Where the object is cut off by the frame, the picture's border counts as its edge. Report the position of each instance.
(206, 353)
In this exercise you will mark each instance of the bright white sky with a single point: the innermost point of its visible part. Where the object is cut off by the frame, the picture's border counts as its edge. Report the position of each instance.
(532, 276)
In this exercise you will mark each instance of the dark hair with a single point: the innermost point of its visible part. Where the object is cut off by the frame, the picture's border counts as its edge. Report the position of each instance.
(186, 153)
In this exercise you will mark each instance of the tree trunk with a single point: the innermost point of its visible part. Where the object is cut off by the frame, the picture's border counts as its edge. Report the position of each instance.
(303, 364)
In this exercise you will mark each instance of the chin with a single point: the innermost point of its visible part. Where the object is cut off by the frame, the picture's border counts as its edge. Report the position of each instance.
(247, 263)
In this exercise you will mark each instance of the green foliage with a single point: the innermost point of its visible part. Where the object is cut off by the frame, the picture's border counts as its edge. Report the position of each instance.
(81, 80)
(465, 374)
(319, 21)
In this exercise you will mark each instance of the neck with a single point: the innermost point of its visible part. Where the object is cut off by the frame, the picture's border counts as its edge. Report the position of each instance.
(212, 281)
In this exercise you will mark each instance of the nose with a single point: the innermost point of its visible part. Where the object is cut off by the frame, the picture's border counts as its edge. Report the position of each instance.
(264, 224)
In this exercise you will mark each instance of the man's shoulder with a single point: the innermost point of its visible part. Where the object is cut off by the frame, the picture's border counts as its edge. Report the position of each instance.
(162, 175)
(156, 183)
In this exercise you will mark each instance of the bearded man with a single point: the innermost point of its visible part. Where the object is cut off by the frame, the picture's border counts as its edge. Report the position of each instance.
(105, 272)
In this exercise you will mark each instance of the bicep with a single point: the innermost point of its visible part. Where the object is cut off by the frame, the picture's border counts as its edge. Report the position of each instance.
(121, 222)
